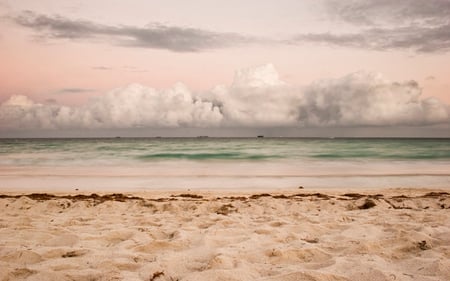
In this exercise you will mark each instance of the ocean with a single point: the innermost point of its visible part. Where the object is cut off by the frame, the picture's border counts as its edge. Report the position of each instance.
(130, 164)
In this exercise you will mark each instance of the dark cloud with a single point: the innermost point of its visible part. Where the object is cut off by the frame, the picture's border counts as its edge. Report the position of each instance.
(155, 35)
(74, 90)
(422, 26)
(420, 39)
(379, 12)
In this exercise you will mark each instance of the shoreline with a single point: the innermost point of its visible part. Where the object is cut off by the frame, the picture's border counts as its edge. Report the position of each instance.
(278, 234)
(200, 175)
(50, 184)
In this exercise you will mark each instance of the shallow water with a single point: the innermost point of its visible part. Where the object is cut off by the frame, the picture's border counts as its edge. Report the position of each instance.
(159, 163)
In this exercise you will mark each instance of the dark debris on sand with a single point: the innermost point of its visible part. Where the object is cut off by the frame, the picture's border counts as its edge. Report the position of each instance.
(395, 202)
(226, 210)
(367, 204)
(79, 197)
(188, 195)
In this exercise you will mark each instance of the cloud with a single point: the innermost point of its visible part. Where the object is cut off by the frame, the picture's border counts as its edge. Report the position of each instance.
(74, 90)
(421, 39)
(128, 107)
(399, 12)
(422, 26)
(256, 98)
(102, 68)
(363, 98)
(154, 35)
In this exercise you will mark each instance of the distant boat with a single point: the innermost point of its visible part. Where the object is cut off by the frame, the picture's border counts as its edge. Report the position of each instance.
(202, 137)
(260, 136)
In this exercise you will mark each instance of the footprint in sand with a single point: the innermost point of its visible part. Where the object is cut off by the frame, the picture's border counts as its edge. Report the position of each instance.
(23, 257)
(18, 274)
(68, 240)
(310, 276)
(310, 257)
(116, 237)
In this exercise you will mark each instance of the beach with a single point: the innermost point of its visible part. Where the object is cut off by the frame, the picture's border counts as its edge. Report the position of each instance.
(225, 140)
(224, 209)
(292, 234)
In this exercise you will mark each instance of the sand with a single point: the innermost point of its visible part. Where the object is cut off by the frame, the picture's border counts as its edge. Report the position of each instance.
(401, 234)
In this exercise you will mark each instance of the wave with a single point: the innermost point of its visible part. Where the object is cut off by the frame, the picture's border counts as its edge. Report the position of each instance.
(206, 156)
(417, 156)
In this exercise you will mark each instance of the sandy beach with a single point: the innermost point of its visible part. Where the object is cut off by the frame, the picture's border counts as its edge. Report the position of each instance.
(225, 140)
(393, 234)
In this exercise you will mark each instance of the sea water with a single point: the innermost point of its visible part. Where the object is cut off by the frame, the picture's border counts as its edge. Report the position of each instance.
(126, 164)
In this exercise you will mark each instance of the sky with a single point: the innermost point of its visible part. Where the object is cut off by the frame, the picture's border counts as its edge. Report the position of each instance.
(225, 68)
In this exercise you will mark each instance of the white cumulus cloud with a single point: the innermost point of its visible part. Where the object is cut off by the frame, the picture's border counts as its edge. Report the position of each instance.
(139, 106)
(369, 99)
(256, 98)
(128, 107)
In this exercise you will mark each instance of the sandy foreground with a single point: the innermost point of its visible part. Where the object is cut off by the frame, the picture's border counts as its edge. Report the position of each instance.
(401, 234)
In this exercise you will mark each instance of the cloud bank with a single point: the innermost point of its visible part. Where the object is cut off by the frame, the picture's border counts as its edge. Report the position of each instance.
(416, 38)
(369, 99)
(154, 35)
(256, 98)
(419, 26)
(422, 26)
(399, 12)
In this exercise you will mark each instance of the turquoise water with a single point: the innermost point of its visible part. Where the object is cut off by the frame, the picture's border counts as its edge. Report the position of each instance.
(149, 163)
(69, 151)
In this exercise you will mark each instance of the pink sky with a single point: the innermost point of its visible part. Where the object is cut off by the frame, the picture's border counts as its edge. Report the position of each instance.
(70, 51)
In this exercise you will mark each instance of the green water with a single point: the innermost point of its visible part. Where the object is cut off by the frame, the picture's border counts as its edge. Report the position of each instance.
(42, 151)
(146, 163)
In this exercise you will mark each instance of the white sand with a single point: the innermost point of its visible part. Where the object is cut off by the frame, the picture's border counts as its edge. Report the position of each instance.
(306, 237)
